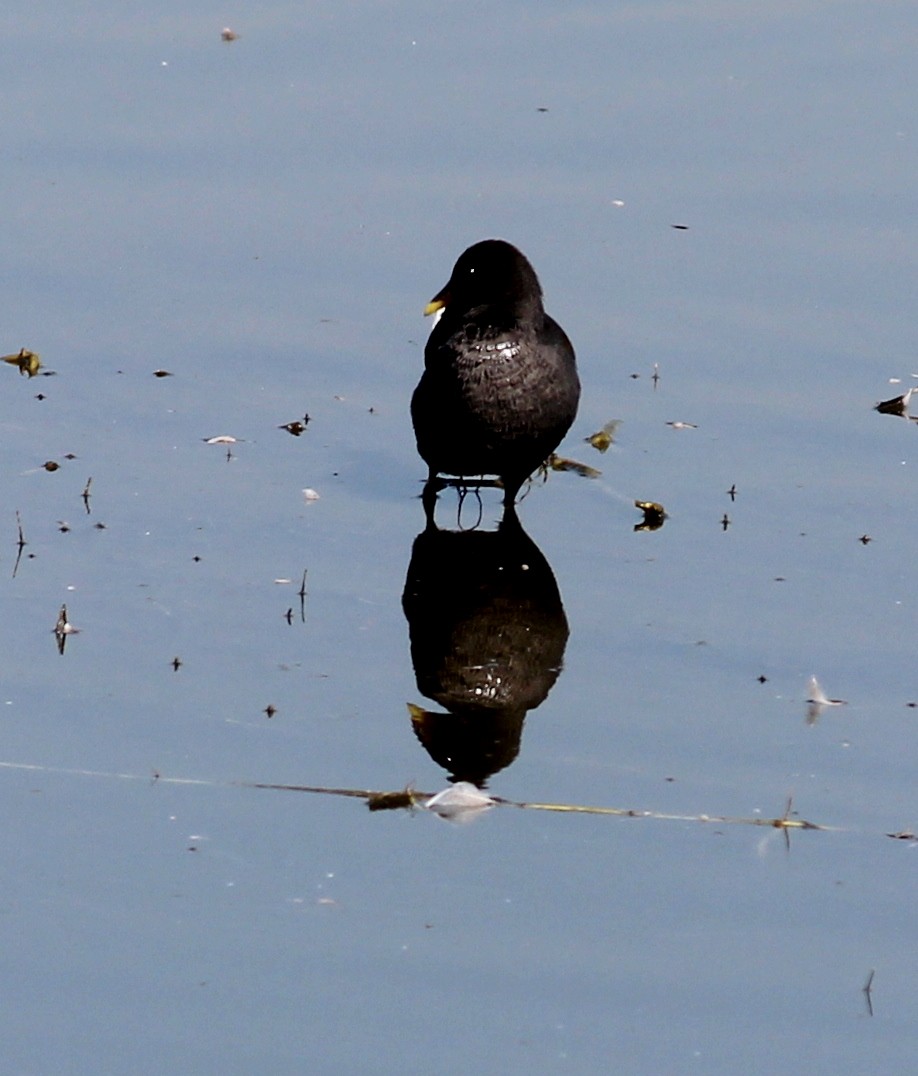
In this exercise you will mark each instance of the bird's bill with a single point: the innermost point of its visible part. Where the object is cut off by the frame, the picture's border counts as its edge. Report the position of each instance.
(438, 302)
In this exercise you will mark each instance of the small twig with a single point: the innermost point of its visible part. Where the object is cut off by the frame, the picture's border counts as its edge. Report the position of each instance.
(784, 820)
(21, 544)
(867, 990)
(301, 594)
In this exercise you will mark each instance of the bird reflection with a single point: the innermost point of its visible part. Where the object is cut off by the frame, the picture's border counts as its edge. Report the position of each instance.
(488, 632)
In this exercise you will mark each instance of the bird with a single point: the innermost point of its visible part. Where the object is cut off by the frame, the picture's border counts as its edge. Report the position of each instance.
(500, 387)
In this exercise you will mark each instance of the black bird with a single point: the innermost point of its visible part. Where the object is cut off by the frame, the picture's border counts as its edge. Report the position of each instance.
(500, 388)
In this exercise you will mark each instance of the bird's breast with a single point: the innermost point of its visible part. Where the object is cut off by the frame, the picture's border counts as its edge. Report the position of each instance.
(504, 350)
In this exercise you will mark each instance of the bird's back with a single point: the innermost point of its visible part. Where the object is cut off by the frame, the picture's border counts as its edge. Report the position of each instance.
(494, 400)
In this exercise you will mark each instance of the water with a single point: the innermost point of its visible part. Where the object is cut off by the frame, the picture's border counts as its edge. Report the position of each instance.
(265, 220)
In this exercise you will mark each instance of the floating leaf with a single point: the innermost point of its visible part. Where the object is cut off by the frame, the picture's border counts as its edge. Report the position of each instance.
(28, 362)
(390, 801)
(654, 515)
(559, 463)
(604, 437)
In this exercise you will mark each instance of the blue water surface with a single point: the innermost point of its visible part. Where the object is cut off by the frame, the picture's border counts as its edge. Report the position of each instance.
(719, 192)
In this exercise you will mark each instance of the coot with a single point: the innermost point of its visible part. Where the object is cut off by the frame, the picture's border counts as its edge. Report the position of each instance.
(500, 388)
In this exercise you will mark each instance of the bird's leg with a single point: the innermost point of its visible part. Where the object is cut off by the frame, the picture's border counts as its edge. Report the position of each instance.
(432, 487)
(511, 488)
(510, 521)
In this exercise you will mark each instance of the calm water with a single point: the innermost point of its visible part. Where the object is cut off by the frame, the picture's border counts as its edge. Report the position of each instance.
(265, 220)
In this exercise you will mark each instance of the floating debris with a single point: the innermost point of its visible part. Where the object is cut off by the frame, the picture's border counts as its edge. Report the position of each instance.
(391, 801)
(559, 463)
(297, 427)
(604, 437)
(898, 405)
(27, 362)
(460, 802)
(301, 594)
(817, 701)
(410, 799)
(654, 515)
(63, 628)
(20, 544)
(867, 991)
(817, 695)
